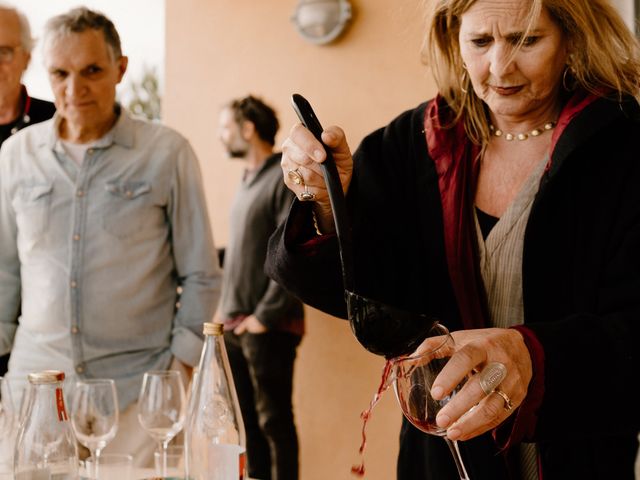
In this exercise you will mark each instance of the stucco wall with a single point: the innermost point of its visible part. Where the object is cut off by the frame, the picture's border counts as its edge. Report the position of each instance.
(220, 49)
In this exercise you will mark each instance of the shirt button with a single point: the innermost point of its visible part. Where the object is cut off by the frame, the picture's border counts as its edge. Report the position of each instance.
(73, 284)
(128, 193)
(80, 193)
(79, 369)
(76, 237)
(90, 151)
(74, 329)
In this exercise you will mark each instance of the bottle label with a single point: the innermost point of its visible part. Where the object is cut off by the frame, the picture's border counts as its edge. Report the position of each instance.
(62, 412)
(216, 461)
(243, 465)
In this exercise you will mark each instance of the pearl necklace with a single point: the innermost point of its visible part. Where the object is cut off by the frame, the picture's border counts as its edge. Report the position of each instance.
(522, 136)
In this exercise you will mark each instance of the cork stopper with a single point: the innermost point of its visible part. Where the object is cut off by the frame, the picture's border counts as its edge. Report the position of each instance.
(46, 376)
(210, 328)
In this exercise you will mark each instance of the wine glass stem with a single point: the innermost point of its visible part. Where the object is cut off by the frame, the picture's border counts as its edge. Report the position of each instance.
(453, 446)
(163, 449)
(94, 454)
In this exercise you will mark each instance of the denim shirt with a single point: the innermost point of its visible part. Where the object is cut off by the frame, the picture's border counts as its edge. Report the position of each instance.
(110, 264)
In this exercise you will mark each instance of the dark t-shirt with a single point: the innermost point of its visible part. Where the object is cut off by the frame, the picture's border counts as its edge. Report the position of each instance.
(34, 111)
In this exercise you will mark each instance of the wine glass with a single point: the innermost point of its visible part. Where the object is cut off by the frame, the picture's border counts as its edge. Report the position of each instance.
(6, 427)
(13, 402)
(413, 377)
(5, 400)
(94, 414)
(15, 392)
(161, 408)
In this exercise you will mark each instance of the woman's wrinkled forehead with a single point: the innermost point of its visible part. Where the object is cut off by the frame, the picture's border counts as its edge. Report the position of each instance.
(519, 10)
(512, 16)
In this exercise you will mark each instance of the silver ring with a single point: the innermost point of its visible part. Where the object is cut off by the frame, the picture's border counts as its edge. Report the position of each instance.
(508, 404)
(295, 176)
(491, 376)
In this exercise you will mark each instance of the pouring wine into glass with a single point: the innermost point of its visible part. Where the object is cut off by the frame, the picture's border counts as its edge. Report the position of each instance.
(412, 378)
(384, 329)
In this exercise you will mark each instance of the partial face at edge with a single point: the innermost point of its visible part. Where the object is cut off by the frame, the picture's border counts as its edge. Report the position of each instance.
(231, 135)
(11, 72)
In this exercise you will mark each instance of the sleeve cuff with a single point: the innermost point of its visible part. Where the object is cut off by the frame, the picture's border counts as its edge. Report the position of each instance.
(186, 346)
(300, 231)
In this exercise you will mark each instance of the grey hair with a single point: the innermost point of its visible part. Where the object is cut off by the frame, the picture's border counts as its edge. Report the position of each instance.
(80, 20)
(26, 40)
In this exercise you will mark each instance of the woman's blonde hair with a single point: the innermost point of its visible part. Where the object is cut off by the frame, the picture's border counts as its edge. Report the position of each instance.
(603, 55)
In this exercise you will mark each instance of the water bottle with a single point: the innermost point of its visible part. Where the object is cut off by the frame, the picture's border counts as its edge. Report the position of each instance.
(215, 445)
(46, 448)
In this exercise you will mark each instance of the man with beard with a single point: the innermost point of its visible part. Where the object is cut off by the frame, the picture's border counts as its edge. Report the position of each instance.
(263, 323)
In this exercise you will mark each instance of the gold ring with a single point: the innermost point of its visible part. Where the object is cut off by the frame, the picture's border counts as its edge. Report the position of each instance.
(307, 196)
(295, 176)
(508, 405)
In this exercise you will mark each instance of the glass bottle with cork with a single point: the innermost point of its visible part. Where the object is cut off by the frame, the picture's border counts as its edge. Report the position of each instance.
(46, 447)
(215, 444)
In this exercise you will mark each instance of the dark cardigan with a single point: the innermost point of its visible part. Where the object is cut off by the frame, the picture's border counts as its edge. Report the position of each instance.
(581, 283)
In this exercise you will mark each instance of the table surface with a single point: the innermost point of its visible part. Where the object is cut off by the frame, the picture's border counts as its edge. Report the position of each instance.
(138, 474)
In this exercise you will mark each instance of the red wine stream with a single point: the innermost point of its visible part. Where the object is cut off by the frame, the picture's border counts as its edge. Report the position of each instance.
(359, 470)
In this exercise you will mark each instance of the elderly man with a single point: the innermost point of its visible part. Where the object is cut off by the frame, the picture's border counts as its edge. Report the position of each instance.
(102, 222)
(17, 108)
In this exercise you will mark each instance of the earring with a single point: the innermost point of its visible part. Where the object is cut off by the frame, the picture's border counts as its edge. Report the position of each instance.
(570, 73)
(464, 80)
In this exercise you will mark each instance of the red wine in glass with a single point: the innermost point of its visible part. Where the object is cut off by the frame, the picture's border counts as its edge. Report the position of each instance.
(413, 378)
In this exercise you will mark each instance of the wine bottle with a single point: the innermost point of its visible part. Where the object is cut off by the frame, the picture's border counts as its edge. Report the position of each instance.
(215, 444)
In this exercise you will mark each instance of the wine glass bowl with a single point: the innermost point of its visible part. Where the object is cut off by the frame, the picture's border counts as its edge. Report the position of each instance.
(95, 413)
(6, 416)
(412, 378)
(6, 427)
(412, 383)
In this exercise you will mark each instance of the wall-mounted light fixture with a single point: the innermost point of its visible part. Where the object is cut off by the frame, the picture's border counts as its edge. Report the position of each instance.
(321, 21)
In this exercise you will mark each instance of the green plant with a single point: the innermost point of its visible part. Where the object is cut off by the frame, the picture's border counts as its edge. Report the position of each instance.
(146, 100)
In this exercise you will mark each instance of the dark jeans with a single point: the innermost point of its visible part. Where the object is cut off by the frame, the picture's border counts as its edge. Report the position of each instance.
(262, 367)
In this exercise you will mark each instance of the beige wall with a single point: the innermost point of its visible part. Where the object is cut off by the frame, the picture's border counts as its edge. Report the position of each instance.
(219, 49)
(627, 10)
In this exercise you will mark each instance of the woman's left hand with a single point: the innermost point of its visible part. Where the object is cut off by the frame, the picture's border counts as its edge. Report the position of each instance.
(471, 411)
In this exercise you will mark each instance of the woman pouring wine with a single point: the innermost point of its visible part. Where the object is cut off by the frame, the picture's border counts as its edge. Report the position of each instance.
(509, 207)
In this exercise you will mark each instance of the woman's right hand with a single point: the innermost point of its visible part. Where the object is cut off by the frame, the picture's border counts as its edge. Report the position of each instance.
(303, 154)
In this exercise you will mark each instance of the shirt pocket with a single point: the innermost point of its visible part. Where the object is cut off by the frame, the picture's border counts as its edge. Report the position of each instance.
(130, 210)
(31, 204)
